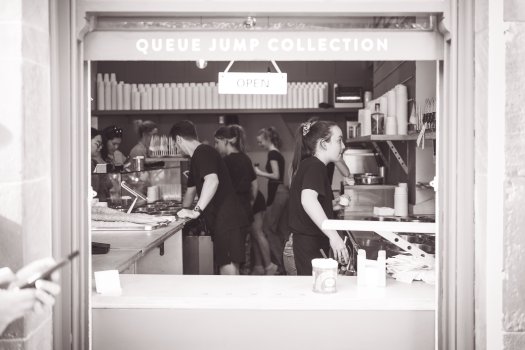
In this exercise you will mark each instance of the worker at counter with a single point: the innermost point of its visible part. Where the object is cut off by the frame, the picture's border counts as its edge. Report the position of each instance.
(317, 144)
(145, 130)
(218, 202)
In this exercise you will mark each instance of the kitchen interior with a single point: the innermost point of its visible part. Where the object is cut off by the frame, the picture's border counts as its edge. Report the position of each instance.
(391, 188)
(378, 163)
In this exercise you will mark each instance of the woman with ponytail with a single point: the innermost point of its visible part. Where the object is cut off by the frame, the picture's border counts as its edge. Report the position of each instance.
(318, 143)
(230, 143)
(145, 130)
(269, 139)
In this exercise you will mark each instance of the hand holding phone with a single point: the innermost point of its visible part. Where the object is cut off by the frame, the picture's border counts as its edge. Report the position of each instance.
(40, 270)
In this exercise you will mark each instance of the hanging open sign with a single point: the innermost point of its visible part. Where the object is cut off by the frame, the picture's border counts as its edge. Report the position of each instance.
(253, 83)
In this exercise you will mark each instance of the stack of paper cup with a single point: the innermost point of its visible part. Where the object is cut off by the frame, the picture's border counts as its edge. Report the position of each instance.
(365, 119)
(401, 200)
(391, 126)
(391, 107)
(401, 109)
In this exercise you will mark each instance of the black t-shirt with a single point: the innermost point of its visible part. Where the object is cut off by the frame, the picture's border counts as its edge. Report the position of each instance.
(273, 184)
(241, 172)
(312, 175)
(330, 168)
(223, 210)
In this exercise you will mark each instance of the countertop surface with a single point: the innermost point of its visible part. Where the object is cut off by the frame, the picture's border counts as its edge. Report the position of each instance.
(128, 246)
(142, 240)
(115, 259)
(262, 292)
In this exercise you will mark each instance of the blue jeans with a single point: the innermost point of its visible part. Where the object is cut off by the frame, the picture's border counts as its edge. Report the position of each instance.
(288, 258)
(271, 226)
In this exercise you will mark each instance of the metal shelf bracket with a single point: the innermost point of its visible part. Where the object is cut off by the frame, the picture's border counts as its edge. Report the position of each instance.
(378, 151)
(398, 156)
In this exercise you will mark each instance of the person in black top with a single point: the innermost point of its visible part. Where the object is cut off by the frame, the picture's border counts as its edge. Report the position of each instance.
(311, 197)
(269, 139)
(230, 141)
(218, 203)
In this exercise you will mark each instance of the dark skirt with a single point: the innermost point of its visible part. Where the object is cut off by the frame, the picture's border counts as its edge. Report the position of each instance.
(244, 200)
(228, 225)
(306, 248)
(259, 205)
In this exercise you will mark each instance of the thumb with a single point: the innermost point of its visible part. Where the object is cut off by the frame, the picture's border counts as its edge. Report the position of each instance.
(6, 276)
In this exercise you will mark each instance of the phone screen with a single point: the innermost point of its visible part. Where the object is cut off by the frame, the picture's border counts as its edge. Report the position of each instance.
(47, 274)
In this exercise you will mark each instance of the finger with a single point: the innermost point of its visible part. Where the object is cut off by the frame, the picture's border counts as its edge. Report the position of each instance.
(6, 276)
(336, 255)
(48, 287)
(25, 299)
(346, 255)
(34, 267)
(44, 298)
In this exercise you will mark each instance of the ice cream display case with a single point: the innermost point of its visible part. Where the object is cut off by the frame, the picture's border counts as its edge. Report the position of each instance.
(152, 190)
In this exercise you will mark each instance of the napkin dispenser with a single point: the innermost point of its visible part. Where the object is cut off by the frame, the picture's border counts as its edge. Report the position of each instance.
(347, 96)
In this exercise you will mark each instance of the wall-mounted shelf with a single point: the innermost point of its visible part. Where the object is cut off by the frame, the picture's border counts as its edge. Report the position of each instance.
(223, 111)
(371, 187)
(379, 138)
(167, 159)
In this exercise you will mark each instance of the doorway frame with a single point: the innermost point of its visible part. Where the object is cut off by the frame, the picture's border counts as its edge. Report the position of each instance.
(455, 313)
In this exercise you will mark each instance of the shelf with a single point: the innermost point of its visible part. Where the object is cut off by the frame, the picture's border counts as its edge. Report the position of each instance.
(224, 111)
(167, 159)
(371, 187)
(378, 138)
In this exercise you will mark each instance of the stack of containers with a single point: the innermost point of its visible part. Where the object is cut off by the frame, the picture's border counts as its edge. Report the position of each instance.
(401, 200)
(113, 95)
(394, 105)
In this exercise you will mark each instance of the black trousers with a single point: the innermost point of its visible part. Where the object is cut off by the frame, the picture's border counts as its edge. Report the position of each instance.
(306, 248)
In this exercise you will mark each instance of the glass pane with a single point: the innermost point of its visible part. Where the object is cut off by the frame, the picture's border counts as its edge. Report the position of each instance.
(415, 23)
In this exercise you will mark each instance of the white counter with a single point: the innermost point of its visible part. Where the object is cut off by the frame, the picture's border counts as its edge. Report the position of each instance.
(262, 292)
(261, 313)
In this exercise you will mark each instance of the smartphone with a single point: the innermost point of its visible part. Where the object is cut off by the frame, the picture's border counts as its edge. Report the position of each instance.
(47, 274)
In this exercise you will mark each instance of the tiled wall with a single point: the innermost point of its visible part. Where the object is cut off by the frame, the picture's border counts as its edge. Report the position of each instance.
(513, 294)
(25, 182)
(514, 220)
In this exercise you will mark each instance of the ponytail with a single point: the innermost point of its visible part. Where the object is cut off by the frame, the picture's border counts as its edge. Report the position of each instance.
(234, 134)
(272, 135)
(306, 138)
(238, 137)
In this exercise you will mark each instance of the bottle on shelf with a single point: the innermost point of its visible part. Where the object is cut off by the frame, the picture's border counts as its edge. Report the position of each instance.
(378, 121)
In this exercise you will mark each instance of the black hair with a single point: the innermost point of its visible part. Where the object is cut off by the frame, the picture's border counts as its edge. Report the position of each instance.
(306, 138)
(234, 134)
(185, 129)
(231, 119)
(272, 135)
(94, 133)
(144, 126)
(109, 133)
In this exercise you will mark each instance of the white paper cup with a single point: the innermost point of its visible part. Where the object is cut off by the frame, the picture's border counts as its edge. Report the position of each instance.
(153, 194)
(324, 272)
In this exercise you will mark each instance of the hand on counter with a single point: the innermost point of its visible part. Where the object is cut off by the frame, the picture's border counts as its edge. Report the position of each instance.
(188, 213)
(341, 202)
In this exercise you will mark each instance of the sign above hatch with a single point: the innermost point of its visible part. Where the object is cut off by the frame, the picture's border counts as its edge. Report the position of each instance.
(253, 83)
(259, 46)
